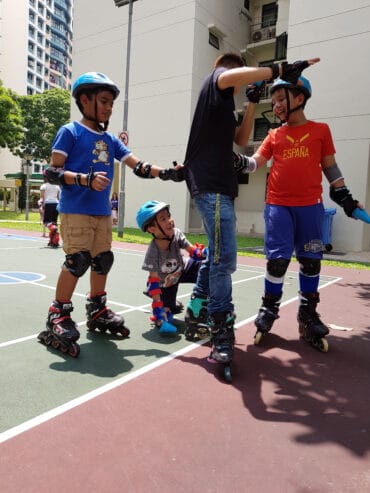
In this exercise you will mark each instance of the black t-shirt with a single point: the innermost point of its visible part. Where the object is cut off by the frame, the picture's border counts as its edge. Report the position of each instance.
(209, 159)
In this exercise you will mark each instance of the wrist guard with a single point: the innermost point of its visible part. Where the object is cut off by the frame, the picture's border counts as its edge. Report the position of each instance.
(142, 170)
(253, 93)
(291, 71)
(275, 70)
(176, 175)
(90, 177)
(55, 176)
(198, 252)
(343, 197)
(244, 163)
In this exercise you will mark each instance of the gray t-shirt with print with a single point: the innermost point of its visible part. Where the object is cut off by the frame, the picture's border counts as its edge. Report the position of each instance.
(168, 263)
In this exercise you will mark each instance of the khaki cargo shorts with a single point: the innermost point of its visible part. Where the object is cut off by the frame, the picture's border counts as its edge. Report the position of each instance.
(83, 233)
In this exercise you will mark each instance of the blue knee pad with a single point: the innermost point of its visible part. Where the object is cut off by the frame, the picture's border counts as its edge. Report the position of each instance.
(77, 263)
(102, 263)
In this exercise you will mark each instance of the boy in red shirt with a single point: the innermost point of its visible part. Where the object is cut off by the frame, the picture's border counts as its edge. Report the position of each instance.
(302, 150)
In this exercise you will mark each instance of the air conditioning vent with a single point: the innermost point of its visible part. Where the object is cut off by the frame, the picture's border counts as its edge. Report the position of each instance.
(257, 36)
(264, 34)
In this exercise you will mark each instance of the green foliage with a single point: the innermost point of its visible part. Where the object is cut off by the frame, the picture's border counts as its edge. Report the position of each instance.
(11, 125)
(43, 114)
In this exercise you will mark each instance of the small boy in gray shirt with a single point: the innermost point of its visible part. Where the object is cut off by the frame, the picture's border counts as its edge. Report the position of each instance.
(166, 264)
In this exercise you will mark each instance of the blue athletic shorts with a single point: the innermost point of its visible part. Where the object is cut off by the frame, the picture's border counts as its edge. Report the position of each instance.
(293, 229)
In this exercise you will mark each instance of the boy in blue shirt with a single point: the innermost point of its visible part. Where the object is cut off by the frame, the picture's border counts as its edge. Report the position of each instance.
(82, 163)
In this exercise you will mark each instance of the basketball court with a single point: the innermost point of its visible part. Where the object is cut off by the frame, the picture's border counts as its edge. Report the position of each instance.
(150, 413)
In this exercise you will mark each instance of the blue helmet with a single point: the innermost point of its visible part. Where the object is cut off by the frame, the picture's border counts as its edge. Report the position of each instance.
(94, 80)
(148, 211)
(302, 85)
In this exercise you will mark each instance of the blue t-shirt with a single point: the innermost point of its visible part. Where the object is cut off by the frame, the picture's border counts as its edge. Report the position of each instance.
(85, 148)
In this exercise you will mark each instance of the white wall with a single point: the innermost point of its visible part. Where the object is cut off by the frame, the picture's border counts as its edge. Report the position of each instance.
(338, 32)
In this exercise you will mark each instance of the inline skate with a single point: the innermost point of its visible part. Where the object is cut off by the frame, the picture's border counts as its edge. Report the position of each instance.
(311, 328)
(61, 331)
(53, 235)
(267, 315)
(101, 318)
(196, 319)
(222, 339)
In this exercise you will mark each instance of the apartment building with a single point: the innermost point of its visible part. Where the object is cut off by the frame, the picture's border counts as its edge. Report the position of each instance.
(35, 52)
(173, 46)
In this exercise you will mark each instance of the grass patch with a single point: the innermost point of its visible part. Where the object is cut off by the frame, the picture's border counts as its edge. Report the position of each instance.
(245, 245)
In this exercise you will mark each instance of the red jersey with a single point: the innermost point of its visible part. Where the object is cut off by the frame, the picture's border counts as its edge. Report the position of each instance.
(295, 177)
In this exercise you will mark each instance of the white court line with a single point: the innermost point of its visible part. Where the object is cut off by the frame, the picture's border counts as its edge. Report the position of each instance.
(53, 413)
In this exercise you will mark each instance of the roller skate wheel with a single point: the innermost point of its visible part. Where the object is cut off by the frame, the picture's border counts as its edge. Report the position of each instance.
(124, 331)
(74, 350)
(202, 332)
(323, 345)
(227, 374)
(55, 344)
(258, 337)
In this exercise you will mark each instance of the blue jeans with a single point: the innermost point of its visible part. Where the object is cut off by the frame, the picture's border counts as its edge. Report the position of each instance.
(218, 215)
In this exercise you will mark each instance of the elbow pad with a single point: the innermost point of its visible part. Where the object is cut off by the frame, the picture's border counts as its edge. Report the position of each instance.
(332, 173)
(244, 163)
(55, 176)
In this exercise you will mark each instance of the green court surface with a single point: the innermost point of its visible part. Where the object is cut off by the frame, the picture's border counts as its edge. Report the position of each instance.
(37, 382)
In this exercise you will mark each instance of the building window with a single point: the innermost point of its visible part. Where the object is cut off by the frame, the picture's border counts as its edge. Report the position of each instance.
(269, 14)
(281, 46)
(261, 128)
(246, 4)
(213, 40)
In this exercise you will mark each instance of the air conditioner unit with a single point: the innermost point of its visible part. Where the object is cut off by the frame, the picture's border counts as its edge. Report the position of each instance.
(257, 36)
(264, 34)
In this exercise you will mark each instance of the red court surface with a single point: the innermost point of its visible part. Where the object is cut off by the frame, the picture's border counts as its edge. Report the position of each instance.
(293, 419)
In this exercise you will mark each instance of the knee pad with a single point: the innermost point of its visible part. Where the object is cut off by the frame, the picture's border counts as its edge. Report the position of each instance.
(102, 263)
(77, 263)
(309, 266)
(277, 267)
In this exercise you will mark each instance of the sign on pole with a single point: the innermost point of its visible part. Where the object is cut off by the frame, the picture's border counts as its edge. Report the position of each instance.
(123, 137)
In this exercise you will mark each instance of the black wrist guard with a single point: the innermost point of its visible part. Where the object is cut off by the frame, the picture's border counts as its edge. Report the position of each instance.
(342, 196)
(275, 70)
(292, 71)
(142, 170)
(90, 178)
(176, 175)
(55, 176)
(78, 180)
(254, 92)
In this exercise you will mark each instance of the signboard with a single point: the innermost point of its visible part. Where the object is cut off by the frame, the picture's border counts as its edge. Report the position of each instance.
(123, 137)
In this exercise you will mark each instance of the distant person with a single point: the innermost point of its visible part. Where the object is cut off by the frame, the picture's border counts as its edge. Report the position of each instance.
(114, 204)
(49, 198)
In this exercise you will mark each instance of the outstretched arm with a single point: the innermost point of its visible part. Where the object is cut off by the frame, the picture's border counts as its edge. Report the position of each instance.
(243, 76)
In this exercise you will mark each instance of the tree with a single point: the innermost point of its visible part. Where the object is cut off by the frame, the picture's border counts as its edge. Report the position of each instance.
(11, 124)
(43, 114)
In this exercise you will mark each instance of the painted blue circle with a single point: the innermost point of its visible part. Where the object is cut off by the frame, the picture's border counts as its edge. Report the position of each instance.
(18, 277)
